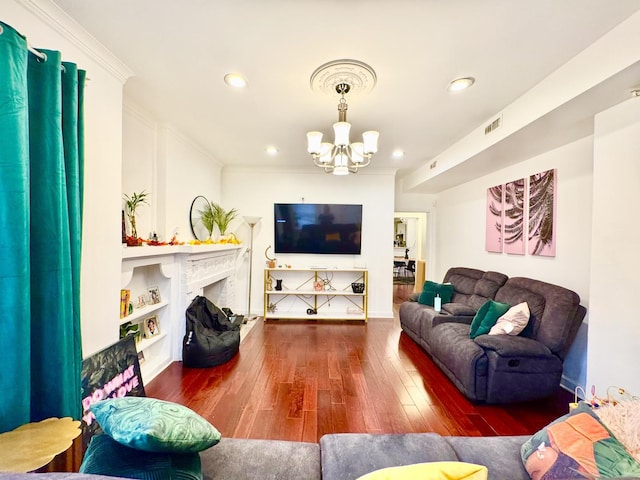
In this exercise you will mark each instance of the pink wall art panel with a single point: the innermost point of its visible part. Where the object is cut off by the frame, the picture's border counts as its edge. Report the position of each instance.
(495, 202)
(514, 217)
(542, 213)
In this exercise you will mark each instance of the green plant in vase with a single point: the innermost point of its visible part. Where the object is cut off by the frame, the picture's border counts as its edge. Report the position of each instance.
(132, 203)
(222, 218)
(206, 217)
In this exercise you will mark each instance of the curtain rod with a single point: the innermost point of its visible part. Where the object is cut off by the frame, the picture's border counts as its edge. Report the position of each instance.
(40, 55)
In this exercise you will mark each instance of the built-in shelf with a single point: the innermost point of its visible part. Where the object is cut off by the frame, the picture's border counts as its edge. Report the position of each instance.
(139, 313)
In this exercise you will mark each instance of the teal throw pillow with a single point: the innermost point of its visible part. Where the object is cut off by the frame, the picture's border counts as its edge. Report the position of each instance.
(431, 289)
(105, 456)
(487, 317)
(154, 425)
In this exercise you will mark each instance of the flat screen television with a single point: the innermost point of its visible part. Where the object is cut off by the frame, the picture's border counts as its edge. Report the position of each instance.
(324, 228)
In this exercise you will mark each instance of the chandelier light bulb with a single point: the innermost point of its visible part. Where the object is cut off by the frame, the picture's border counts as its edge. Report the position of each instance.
(341, 131)
(314, 139)
(370, 139)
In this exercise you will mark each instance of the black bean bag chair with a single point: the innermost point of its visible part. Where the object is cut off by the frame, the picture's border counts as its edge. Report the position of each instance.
(210, 339)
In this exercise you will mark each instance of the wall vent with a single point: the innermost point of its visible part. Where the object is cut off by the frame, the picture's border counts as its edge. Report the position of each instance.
(493, 126)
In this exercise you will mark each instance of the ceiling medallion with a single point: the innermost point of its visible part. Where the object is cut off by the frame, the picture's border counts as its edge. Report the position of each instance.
(358, 75)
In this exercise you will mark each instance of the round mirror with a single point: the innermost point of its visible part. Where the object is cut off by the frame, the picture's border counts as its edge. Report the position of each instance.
(199, 205)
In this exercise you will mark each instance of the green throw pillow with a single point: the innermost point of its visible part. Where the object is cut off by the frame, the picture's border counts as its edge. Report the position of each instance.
(431, 289)
(487, 317)
(105, 456)
(154, 425)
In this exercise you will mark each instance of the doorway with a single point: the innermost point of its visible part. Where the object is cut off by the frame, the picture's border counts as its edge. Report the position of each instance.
(409, 248)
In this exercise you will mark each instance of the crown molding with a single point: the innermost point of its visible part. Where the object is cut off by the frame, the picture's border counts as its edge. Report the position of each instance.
(71, 30)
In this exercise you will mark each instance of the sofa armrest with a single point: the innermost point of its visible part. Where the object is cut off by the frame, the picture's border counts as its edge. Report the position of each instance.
(513, 346)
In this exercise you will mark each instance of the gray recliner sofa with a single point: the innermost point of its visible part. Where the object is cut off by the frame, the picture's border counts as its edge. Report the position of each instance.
(497, 368)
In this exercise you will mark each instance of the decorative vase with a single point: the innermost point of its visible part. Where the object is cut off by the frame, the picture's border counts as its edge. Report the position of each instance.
(278, 284)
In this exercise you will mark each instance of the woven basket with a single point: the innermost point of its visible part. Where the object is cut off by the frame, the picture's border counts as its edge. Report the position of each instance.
(357, 287)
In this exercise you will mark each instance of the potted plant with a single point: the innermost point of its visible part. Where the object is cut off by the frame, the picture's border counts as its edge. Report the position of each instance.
(132, 203)
(222, 218)
(206, 217)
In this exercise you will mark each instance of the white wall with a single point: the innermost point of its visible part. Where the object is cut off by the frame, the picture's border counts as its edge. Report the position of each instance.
(460, 226)
(614, 329)
(44, 27)
(253, 192)
(170, 167)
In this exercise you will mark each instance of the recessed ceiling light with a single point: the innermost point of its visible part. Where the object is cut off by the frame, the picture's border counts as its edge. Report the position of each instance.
(271, 150)
(461, 84)
(235, 80)
(397, 154)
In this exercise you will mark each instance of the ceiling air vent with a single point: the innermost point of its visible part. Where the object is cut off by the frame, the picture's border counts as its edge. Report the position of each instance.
(496, 124)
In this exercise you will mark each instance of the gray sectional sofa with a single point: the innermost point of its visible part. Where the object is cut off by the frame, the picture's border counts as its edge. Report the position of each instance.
(341, 457)
(497, 368)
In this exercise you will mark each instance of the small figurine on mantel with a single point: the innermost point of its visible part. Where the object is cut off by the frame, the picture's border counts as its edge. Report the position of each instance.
(406, 254)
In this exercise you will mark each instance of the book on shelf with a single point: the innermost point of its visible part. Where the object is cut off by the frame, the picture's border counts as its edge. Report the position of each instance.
(125, 296)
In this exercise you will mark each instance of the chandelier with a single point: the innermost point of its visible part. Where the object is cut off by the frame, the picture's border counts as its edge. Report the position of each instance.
(342, 157)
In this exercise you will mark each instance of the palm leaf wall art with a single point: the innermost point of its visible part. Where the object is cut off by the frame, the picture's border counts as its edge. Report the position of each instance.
(493, 240)
(514, 217)
(542, 213)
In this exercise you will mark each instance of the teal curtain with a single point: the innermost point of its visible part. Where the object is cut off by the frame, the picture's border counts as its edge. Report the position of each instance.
(41, 178)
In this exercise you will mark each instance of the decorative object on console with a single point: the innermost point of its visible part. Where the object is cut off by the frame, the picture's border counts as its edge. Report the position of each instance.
(357, 287)
(278, 284)
(252, 222)
(271, 262)
(342, 157)
(132, 203)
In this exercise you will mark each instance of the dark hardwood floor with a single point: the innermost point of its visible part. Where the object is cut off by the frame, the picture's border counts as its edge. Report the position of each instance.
(300, 380)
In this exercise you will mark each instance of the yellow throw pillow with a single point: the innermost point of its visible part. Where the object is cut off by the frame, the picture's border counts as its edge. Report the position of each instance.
(431, 471)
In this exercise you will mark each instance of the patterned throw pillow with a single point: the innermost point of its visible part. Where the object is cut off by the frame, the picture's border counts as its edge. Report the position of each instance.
(577, 446)
(154, 425)
(512, 322)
